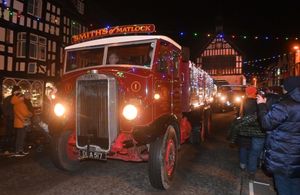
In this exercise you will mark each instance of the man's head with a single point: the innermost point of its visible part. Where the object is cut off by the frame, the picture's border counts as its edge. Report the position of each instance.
(291, 83)
(113, 58)
(251, 92)
(27, 95)
(16, 89)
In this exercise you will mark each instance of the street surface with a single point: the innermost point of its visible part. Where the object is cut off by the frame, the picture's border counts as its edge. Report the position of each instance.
(209, 168)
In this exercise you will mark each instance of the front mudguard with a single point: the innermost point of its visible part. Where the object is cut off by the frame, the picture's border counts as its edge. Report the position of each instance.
(58, 125)
(147, 134)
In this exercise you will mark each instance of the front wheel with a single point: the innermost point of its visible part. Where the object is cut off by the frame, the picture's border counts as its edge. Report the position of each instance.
(64, 153)
(163, 159)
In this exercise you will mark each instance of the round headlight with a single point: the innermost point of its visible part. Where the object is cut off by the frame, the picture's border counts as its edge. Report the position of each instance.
(223, 98)
(156, 96)
(130, 112)
(59, 109)
(238, 99)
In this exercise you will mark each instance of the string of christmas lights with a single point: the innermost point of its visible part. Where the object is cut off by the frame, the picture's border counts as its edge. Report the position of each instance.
(267, 58)
(13, 12)
(243, 37)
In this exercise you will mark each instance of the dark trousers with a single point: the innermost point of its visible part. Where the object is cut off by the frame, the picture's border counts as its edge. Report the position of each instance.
(10, 134)
(286, 185)
(20, 140)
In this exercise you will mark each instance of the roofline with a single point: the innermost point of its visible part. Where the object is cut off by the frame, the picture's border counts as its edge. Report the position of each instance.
(121, 39)
(227, 40)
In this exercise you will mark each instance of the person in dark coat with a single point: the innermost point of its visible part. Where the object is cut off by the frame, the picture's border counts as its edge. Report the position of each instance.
(282, 123)
(255, 134)
(8, 113)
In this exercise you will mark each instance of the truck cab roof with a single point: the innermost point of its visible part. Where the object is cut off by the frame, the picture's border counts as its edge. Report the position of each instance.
(121, 39)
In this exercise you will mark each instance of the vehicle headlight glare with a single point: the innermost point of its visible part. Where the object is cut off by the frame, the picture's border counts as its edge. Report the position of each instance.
(238, 99)
(223, 98)
(130, 112)
(156, 96)
(59, 109)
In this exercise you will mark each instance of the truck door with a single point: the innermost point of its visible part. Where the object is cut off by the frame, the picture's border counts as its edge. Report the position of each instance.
(176, 82)
(162, 80)
(168, 81)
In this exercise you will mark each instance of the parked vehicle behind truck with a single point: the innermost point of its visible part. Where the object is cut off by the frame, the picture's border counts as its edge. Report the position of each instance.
(138, 109)
(229, 97)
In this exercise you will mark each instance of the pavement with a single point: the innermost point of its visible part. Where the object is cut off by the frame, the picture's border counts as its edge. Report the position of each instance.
(262, 184)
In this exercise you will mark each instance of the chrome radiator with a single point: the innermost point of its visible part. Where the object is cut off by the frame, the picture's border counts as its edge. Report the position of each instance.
(96, 111)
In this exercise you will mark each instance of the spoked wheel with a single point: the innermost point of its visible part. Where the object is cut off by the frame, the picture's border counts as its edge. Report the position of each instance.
(63, 151)
(163, 159)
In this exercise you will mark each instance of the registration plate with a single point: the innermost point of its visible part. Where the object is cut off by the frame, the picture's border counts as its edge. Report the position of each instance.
(93, 155)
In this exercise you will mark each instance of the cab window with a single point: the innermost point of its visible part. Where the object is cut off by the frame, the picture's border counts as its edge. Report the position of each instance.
(84, 58)
(134, 54)
(164, 57)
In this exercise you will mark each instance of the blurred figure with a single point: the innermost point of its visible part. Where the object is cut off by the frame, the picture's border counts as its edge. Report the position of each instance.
(282, 123)
(21, 113)
(249, 156)
(113, 58)
(247, 133)
(8, 113)
(27, 101)
(28, 120)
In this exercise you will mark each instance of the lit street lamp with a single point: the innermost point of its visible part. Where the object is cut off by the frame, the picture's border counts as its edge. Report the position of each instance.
(297, 60)
(254, 81)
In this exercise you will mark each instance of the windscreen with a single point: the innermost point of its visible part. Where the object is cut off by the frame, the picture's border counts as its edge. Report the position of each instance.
(136, 54)
(84, 58)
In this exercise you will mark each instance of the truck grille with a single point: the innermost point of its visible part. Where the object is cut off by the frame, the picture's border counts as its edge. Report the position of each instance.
(96, 112)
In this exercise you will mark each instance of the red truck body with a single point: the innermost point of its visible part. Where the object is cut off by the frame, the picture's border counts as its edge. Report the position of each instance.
(137, 109)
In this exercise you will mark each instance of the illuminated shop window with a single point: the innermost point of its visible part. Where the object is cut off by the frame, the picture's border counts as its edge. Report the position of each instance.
(35, 88)
(37, 93)
(24, 85)
(7, 87)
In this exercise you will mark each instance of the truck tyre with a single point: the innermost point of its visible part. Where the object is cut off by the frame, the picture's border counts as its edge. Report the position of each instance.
(163, 159)
(64, 154)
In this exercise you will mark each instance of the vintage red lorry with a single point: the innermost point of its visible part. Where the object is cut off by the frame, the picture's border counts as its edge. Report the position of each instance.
(129, 97)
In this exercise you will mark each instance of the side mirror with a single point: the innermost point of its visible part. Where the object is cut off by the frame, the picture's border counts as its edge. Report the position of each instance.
(185, 54)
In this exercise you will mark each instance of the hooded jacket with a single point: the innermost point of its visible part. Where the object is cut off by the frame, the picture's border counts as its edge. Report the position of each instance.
(282, 124)
(21, 111)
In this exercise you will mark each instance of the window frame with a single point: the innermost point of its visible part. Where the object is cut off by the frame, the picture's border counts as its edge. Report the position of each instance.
(21, 44)
(36, 6)
(36, 46)
(35, 68)
(40, 46)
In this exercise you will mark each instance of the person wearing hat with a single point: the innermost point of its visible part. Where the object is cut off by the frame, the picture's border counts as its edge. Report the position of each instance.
(8, 113)
(282, 124)
(21, 113)
(251, 138)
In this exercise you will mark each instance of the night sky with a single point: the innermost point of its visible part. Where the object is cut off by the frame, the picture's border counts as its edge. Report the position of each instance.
(250, 18)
